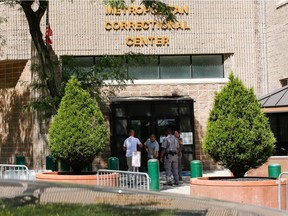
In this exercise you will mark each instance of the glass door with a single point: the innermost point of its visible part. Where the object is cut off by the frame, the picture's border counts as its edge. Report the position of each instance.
(147, 116)
(162, 125)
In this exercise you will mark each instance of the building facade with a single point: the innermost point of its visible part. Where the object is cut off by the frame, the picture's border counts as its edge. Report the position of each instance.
(186, 62)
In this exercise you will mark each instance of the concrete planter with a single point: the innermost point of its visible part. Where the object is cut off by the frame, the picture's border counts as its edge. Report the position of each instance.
(261, 193)
(87, 178)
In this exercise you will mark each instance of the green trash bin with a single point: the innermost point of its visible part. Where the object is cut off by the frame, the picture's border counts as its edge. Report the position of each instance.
(20, 160)
(274, 170)
(196, 169)
(113, 163)
(51, 164)
(153, 172)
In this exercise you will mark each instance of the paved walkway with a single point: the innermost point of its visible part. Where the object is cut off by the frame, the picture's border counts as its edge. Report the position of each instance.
(184, 187)
(24, 192)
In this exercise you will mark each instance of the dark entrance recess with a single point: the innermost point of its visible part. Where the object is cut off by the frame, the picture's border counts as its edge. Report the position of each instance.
(148, 115)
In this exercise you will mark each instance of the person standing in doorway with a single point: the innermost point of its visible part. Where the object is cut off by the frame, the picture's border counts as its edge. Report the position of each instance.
(130, 146)
(180, 141)
(152, 147)
(170, 146)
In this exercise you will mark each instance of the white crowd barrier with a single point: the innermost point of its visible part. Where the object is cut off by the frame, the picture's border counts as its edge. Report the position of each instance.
(280, 191)
(123, 179)
(18, 172)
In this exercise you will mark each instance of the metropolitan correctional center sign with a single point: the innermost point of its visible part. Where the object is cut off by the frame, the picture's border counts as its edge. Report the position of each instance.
(138, 26)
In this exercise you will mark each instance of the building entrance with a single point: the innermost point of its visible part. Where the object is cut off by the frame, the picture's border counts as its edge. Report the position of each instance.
(147, 115)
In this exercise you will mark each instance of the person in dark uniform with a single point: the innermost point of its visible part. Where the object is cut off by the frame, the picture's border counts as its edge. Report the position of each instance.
(180, 140)
(169, 153)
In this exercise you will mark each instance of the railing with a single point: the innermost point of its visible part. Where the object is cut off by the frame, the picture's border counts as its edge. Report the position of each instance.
(279, 190)
(18, 172)
(123, 179)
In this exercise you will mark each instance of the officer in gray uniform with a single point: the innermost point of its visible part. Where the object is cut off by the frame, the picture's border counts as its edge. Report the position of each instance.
(169, 151)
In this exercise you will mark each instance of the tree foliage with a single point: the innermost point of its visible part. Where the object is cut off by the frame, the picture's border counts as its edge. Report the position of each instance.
(95, 78)
(78, 132)
(47, 67)
(238, 132)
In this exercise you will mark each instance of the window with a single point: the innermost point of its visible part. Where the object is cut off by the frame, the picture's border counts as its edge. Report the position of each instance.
(85, 63)
(143, 67)
(147, 67)
(210, 66)
(175, 67)
(279, 126)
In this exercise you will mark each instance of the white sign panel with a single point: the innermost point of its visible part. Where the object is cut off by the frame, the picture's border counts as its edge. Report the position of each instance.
(136, 159)
(187, 138)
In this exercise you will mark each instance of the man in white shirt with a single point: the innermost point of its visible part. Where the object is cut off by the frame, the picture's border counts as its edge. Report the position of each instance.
(130, 146)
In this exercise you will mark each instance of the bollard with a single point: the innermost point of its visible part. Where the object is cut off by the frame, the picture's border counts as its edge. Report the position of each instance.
(113, 163)
(20, 160)
(50, 163)
(274, 170)
(196, 169)
(153, 172)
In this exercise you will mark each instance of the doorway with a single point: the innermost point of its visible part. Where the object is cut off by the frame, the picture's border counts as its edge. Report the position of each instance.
(147, 115)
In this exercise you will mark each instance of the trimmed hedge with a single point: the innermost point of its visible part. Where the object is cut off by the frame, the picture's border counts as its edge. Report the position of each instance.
(238, 133)
(78, 132)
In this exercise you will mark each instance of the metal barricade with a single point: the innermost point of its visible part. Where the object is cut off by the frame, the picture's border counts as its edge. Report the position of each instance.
(279, 190)
(123, 179)
(18, 172)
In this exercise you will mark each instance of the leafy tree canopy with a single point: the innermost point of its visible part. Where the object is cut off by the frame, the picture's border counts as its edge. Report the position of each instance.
(47, 67)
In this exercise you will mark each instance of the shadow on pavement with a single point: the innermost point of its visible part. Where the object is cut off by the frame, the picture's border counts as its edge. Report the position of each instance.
(19, 193)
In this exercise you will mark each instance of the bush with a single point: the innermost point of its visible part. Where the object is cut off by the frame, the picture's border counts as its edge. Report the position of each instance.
(238, 132)
(78, 132)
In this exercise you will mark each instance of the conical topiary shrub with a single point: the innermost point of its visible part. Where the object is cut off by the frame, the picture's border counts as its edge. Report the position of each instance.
(238, 133)
(78, 132)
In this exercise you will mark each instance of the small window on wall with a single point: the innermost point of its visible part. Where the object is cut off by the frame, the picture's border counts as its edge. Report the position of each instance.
(111, 67)
(85, 63)
(143, 67)
(207, 66)
(279, 126)
(175, 67)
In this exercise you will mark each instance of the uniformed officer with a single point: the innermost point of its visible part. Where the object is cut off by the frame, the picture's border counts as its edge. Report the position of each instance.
(169, 151)
(180, 140)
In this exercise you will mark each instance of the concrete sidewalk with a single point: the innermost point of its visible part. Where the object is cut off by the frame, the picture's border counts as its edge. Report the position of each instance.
(184, 187)
(32, 192)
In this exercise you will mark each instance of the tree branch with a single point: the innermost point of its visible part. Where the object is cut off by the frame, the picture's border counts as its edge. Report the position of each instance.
(47, 66)
(43, 5)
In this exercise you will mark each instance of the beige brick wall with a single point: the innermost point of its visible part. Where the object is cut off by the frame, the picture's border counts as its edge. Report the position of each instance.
(15, 124)
(277, 46)
(254, 31)
(15, 33)
(225, 27)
